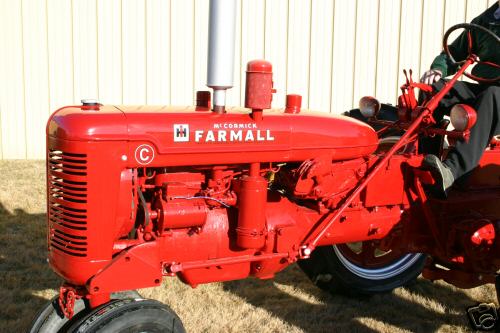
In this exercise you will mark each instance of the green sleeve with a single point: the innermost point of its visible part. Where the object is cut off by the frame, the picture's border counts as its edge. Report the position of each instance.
(441, 63)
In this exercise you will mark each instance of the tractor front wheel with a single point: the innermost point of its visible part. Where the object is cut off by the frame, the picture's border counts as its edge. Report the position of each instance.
(129, 315)
(361, 268)
(51, 320)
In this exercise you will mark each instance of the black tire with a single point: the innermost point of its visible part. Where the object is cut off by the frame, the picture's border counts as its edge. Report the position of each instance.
(131, 316)
(51, 320)
(328, 269)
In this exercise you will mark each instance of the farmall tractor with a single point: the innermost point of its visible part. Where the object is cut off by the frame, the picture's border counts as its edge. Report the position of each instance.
(208, 193)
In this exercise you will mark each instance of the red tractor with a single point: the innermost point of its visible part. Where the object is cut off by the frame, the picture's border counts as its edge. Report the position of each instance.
(209, 193)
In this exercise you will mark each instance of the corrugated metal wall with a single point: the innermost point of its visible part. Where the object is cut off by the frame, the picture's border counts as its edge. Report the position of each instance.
(55, 52)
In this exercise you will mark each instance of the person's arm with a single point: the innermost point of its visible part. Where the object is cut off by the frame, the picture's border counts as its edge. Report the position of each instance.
(458, 49)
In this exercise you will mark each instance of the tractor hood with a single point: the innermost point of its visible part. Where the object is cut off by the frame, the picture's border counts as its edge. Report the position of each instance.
(194, 135)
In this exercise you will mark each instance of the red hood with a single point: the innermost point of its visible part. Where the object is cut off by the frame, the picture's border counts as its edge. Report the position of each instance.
(184, 136)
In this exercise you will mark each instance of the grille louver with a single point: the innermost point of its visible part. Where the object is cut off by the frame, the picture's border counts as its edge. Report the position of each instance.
(67, 184)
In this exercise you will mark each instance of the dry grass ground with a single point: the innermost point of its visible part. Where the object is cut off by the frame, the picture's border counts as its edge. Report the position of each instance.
(289, 303)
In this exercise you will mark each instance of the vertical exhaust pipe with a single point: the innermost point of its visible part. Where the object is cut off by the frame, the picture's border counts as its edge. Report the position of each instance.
(221, 40)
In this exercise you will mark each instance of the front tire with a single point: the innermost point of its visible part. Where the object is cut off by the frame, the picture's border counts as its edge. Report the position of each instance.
(131, 316)
(339, 269)
(51, 320)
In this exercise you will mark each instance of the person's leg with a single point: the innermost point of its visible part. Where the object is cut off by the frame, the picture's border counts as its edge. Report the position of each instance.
(462, 92)
(466, 155)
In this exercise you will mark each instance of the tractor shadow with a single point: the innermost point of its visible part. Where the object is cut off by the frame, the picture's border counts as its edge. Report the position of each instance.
(26, 279)
(420, 307)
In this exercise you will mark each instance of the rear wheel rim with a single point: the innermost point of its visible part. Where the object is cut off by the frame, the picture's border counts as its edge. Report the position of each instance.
(385, 266)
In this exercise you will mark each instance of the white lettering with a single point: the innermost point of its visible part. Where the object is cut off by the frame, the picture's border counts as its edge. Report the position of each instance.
(210, 136)
(144, 157)
(236, 136)
(221, 135)
(198, 135)
(249, 136)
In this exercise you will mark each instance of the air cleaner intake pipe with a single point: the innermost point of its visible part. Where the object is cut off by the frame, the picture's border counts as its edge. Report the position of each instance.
(221, 40)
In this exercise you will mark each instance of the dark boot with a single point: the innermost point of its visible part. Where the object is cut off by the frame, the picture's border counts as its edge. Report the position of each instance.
(442, 175)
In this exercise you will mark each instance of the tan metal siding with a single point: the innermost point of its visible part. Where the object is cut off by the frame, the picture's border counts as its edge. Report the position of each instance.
(332, 52)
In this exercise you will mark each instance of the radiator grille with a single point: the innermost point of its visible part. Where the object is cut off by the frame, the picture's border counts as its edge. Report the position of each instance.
(67, 209)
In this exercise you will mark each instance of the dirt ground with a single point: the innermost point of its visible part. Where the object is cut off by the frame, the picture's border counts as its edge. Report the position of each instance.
(289, 303)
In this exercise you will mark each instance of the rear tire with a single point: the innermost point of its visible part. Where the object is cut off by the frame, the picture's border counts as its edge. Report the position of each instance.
(131, 316)
(331, 270)
(51, 320)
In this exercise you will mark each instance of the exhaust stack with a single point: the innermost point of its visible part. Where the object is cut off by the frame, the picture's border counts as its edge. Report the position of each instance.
(221, 40)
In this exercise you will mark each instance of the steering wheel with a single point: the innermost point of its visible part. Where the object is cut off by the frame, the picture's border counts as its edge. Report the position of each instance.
(468, 27)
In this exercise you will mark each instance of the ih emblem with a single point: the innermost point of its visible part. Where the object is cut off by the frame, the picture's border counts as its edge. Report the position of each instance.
(181, 132)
